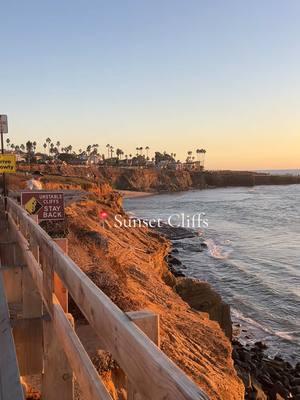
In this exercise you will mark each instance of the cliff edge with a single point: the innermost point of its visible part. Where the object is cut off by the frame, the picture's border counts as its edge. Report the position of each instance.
(128, 265)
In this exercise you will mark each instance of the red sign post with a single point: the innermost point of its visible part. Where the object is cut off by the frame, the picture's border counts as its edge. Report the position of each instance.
(48, 206)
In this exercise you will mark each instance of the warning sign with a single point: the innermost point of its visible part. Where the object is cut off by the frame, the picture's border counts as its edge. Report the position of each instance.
(3, 123)
(7, 163)
(48, 206)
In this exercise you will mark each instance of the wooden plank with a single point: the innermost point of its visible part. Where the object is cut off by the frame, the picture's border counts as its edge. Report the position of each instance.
(148, 322)
(152, 372)
(59, 288)
(28, 336)
(48, 278)
(58, 376)
(12, 278)
(33, 246)
(7, 253)
(86, 374)
(32, 301)
(28, 332)
(10, 385)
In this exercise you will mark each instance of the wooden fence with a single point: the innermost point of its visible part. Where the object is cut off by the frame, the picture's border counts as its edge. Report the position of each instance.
(52, 346)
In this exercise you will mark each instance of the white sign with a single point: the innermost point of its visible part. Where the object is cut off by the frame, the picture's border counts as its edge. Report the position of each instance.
(3, 123)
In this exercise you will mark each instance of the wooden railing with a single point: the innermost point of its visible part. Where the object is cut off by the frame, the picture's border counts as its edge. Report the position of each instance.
(149, 372)
(10, 385)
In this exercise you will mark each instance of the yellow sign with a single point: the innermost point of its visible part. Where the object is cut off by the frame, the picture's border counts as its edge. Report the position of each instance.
(7, 163)
(33, 206)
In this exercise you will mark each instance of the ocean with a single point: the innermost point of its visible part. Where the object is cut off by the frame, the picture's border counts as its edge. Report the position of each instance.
(252, 256)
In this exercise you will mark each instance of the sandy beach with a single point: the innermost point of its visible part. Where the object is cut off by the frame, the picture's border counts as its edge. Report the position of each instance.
(127, 194)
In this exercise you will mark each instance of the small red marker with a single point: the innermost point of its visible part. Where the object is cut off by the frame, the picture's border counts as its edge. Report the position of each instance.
(103, 215)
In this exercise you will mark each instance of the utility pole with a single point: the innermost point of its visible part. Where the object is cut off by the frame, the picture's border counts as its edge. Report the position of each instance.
(3, 129)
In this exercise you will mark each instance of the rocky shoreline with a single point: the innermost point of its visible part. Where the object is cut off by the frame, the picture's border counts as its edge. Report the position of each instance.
(264, 378)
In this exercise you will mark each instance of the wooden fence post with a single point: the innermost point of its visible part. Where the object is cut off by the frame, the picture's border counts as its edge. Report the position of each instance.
(28, 330)
(148, 322)
(32, 301)
(58, 376)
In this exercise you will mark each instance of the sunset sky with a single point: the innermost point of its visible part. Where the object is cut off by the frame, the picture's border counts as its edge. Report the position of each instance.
(173, 75)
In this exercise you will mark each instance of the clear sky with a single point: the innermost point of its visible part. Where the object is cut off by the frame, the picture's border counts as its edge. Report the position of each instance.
(173, 75)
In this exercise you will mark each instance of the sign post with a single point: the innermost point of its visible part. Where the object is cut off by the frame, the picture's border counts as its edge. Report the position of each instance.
(3, 129)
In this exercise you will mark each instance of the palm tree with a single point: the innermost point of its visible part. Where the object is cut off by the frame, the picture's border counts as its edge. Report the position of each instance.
(119, 152)
(147, 148)
(22, 147)
(48, 141)
(141, 150)
(34, 146)
(111, 151)
(203, 151)
(189, 157)
(58, 145)
(29, 147)
(108, 149)
(88, 149)
(45, 146)
(52, 149)
(7, 142)
(95, 148)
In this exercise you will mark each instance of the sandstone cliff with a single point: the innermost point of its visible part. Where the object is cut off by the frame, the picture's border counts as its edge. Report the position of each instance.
(128, 265)
(163, 180)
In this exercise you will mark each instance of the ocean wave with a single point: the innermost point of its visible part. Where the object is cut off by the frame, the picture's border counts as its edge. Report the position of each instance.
(290, 336)
(241, 317)
(286, 335)
(216, 251)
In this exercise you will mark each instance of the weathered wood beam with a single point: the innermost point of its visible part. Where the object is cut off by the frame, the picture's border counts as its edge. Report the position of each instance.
(147, 322)
(59, 288)
(89, 381)
(10, 385)
(87, 376)
(58, 375)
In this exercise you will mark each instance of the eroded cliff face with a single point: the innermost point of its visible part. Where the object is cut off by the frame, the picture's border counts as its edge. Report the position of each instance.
(148, 180)
(128, 265)
(161, 180)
